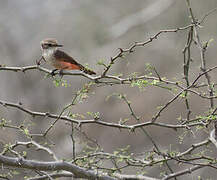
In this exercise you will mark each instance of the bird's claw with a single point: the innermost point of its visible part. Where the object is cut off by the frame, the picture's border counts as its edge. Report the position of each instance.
(53, 72)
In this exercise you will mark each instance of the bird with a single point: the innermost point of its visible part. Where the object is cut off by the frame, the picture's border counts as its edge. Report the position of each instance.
(59, 59)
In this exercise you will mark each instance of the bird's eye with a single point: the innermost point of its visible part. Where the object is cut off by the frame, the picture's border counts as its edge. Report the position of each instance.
(44, 46)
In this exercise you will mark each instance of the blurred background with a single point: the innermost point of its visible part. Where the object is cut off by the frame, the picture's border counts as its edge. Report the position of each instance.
(92, 31)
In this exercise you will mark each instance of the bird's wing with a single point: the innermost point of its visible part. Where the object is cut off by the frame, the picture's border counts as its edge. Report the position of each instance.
(62, 56)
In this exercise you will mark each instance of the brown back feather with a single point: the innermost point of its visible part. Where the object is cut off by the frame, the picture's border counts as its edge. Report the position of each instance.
(65, 57)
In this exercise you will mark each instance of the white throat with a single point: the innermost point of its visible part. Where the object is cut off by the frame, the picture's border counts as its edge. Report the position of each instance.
(48, 54)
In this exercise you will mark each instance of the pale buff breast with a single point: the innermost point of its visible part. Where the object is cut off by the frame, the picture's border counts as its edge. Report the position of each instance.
(48, 55)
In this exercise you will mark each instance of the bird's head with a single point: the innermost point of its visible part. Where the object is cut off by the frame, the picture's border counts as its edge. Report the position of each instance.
(49, 44)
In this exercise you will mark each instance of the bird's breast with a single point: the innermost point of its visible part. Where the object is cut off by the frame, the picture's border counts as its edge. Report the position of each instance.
(49, 56)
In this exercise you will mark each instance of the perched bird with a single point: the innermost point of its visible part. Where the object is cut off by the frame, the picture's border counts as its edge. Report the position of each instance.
(59, 59)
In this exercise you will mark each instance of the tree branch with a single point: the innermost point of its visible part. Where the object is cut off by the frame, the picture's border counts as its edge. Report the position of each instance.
(77, 171)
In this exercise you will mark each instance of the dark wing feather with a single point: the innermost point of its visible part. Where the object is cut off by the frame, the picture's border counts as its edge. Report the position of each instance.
(65, 57)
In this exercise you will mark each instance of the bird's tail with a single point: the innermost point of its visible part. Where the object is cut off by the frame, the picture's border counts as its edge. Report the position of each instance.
(87, 71)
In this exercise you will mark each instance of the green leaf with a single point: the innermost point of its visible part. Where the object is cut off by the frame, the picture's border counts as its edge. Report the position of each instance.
(141, 83)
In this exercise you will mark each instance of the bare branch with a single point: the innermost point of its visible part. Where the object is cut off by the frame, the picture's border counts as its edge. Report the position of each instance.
(183, 172)
(99, 122)
(133, 177)
(78, 172)
(53, 175)
(38, 146)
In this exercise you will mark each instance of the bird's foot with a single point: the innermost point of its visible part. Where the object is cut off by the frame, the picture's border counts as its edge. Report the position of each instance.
(53, 72)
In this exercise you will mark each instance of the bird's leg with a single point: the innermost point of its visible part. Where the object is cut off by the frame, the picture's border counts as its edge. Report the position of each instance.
(53, 72)
(61, 73)
(38, 62)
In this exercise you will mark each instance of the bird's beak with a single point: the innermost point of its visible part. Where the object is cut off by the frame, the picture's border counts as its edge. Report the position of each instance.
(59, 45)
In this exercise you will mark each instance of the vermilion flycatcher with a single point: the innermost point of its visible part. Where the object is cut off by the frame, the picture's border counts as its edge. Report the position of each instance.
(59, 59)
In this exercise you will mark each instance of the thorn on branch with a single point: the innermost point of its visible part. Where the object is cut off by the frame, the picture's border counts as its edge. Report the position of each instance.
(150, 39)
(121, 50)
(131, 50)
(21, 127)
(205, 46)
(47, 114)
(157, 74)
